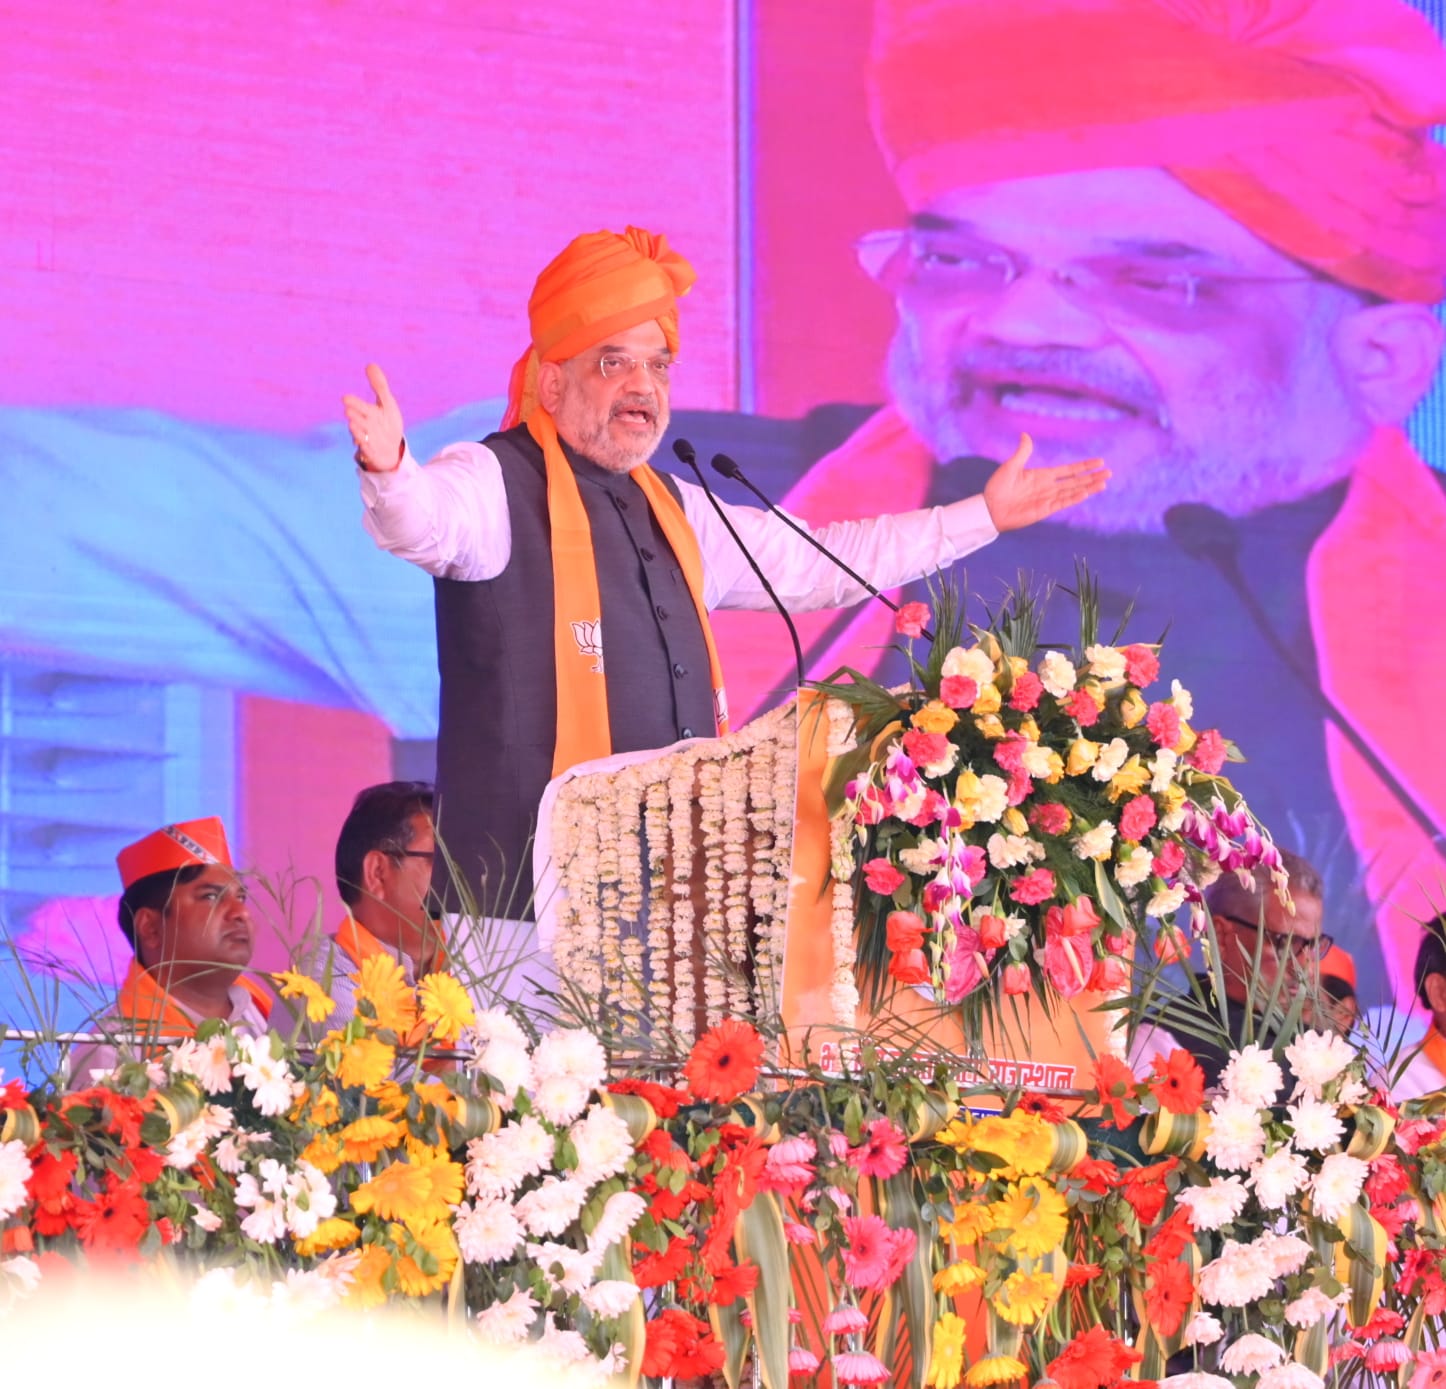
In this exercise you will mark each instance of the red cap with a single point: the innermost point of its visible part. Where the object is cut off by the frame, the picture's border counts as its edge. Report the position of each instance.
(174, 846)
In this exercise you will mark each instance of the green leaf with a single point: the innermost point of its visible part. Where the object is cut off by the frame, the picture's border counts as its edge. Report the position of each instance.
(759, 1236)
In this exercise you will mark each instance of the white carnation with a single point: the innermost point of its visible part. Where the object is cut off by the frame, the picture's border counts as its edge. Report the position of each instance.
(1133, 869)
(1253, 1077)
(1095, 843)
(1316, 1125)
(1215, 1204)
(1037, 761)
(1251, 1354)
(1317, 1058)
(1236, 1138)
(1337, 1185)
(1166, 902)
(1106, 663)
(1111, 758)
(1182, 699)
(992, 800)
(1011, 850)
(1278, 1177)
(924, 857)
(972, 662)
(1057, 674)
(1162, 769)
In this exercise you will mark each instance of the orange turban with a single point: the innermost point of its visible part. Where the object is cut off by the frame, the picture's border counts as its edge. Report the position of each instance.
(602, 283)
(175, 846)
(1307, 121)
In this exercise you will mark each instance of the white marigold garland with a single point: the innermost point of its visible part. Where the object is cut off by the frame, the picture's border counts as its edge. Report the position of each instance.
(736, 878)
(630, 887)
(844, 993)
(681, 783)
(660, 899)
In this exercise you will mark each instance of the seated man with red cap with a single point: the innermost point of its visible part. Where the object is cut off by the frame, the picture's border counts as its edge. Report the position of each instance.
(183, 909)
(573, 583)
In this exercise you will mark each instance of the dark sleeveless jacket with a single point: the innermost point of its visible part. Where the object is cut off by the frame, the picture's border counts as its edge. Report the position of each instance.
(499, 697)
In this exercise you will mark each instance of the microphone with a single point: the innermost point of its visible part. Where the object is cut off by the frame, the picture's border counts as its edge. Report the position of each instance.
(1211, 537)
(685, 453)
(729, 469)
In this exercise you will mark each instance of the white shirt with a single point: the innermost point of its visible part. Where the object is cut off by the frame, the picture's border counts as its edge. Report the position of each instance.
(450, 518)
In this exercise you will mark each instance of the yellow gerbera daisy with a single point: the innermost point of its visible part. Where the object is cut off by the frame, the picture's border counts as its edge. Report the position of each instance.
(426, 1256)
(970, 1223)
(447, 1179)
(382, 983)
(391, 1098)
(946, 1362)
(366, 1062)
(955, 1134)
(323, 1152)
(446, 1006)
(1032, 1218)
(398, 1192)
(319, 1005)
(1025, 1297)
(958, 1278)
(333, 1233)
(325, 1108)
(993, 1369)
(365, 1139)
(1033, 1143)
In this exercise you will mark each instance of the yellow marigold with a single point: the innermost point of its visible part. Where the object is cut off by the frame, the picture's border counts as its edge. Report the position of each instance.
(953, 1279)
(332, 1233)
(382, 983)
(1130, 780)
(367, 1138)
(1025, 1297)
(1082, 756)
(426, 1256)
(325, 1108)
(993, 1369)
(989, 701)
(365, 1288)
(935, 717)
(1032, 1216)
(946, 1361)
(446, 1006)
(1133, 707)
(319, 1005)
(323, 1152)
(390, 1098)
(365, 1062)
(970, 1223)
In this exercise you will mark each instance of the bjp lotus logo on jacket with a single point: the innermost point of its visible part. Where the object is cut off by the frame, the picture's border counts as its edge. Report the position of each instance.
(588, 636)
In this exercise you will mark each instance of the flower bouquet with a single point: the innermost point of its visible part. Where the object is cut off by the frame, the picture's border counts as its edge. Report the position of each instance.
(1014, 821)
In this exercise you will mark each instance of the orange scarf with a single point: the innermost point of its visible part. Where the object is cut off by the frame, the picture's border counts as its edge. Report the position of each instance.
(1434, 1050)
(583, 730)
(145, 1004)
(357, 943)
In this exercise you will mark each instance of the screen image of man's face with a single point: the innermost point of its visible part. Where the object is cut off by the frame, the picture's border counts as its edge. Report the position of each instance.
(1115, 313)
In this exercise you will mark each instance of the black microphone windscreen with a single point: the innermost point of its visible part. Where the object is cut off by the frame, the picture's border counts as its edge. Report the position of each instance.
(725, 465)
(683, 452)
(1202, 532)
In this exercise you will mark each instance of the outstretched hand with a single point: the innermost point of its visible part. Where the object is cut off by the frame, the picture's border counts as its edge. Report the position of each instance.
(376, 429)
(1018, 496)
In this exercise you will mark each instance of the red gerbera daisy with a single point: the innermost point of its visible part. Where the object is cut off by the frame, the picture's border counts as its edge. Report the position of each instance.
(1168, 1292)
(1093, 1360)
(679, 1346)
(724, 1062)
(1179, 1083)
(1115, 1082)
(116, 1220)
(1051, 1111)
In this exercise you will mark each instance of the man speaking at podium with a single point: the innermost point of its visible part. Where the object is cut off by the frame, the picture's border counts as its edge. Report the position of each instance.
(573, 583)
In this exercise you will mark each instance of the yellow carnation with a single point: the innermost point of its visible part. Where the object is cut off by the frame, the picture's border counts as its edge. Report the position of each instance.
(1187, 739)
(1082, 756)
(989, 700)
(445, 1006)
(319, 1006)
(1029, 728)
(332, 1233)
(1055, 774)
(1130, 780)
(382, 983)
(1014, 821)
(990, 726)
(1132, 707)
(1172, 799)
(1025, 1297)
(946, 1360)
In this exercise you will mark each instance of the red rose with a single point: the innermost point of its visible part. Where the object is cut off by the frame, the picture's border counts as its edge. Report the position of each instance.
(911, 619)
(882, 877)
(904, 931)
(1208, 754)
(909, 967)
(958, 691)
(1026, 692)
(1137, 819)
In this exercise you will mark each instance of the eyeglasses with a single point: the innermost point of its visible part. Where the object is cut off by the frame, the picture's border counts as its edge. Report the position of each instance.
(614, 364)
(938, 264)
(1283, 943)
(413, 853)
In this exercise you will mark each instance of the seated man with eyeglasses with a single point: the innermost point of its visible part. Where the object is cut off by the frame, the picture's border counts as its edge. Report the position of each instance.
(573, 583)
(384, 857)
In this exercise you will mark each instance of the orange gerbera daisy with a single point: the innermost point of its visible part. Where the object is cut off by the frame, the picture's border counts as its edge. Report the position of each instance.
(365, 1139)
(1092, 1360)
(365, 1288)
(398, 1192)
(1179, 1083)
(724, 1061)
(365, 1062)
(332, 1233)
(382, 983)
(446, 1006)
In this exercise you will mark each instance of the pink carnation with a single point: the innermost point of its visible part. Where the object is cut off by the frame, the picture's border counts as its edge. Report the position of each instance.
(1163, 721)
(911, 619)
(882, 877)
(1080, 706)
(1026, 692)
(1208, 754)
(924, 748)
(934, 807)
(1169, 859)
(1137, 819)
(1032, 888)
(1142, 666)
(958, 691)
(1049, 817)
(1009, 752)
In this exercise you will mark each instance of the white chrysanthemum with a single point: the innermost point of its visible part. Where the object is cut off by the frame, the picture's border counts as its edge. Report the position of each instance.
(269, 1078)
(562, 1345)
(551, 1207)
(1182, 699)
(1316, 1126)
(1196, 1379)
(1111, 758)
(1317, 1058)
(15, 1171)
(992, 800)
(1203, 1329)
(1236, 1138)
(487, 1231)
(1239, 1276)
(1133, 868)
(603, 1143)
(571, 1054)
(623, 1210)
(509, 1065)
(610, 1298)
(1252, 1076)
(1291, 1375)
(207, 1061)
(1162, 769)
(564, 1267)
(1250, 1354)
(1167, 901)
(1011, 850)
(1337, 1185)
(508, 1323)
(1215, 1204)
(22, 1272)
(560, 1100)
(1095, 843)
(309, 1200)
(1310, 1307)
(1106, 663)
(1284, 1255)
(971, 662)
(1057, 673)
(496, 1025)
(1278, 1177)
(924, 857)
(498, 1163)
